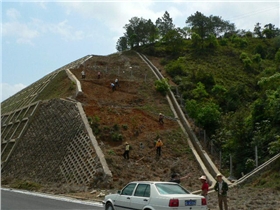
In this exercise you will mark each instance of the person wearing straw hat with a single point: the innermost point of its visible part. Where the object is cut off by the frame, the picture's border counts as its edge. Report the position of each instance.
(221, 187)
(160, 119)
(126, 152)
(205, 186)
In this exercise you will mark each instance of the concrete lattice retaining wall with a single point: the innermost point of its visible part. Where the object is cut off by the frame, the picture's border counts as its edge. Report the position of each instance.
(57, 147)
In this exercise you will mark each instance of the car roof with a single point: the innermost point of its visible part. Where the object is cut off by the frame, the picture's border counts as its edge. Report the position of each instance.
(153, 182)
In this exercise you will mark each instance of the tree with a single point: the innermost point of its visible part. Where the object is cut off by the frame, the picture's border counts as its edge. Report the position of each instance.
(206, 26)
(174, 41)
(258, 31)
(136, 32)
(164, 24)
(152, 31)
(122, 44)
(269, 31)
(219, 27)
(198, 24)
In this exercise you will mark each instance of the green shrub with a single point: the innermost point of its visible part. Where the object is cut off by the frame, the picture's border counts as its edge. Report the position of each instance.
(125, 127)
(162, 86)
(26, 185)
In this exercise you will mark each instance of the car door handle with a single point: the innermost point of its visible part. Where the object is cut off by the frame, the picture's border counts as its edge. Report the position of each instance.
(128, 198)
(145, 200)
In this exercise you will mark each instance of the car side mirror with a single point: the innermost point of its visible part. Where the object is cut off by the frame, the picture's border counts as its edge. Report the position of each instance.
(119, 191)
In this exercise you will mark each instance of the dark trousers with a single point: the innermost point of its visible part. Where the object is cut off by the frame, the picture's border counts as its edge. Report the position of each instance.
(159, 151)
(126, 154)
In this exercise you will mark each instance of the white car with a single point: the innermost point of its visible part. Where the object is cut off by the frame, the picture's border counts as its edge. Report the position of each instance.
(149, 195)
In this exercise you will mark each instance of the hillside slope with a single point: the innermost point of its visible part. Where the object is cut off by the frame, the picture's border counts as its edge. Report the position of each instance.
(130, 114)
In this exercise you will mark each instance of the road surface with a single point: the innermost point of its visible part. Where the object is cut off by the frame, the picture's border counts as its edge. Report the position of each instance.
(24, 200)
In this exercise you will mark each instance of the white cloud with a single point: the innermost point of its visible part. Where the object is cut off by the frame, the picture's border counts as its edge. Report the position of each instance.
(66, 31)
(13, 14)
(22, 32)
(113, 15)
(8, 90)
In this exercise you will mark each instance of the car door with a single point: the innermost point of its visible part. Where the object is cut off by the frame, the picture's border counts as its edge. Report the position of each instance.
(141, 196)
(122, 201)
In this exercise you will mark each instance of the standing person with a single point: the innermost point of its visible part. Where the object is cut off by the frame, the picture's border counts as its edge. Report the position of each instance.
(204, 187)
(117, 82)
(126, 151)
(98, 75)
(160, 118)
(221, 187)
(176, 178)
(113, 86)
(83, 74)
(159, 144)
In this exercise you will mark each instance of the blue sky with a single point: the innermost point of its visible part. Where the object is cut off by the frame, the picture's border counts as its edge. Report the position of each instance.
(40, 37)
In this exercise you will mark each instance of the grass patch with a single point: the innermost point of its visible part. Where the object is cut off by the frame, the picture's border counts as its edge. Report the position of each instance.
(25, 185)
(59, 87)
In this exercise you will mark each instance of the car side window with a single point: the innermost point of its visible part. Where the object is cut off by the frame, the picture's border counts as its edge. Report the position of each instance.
(128, 190)
(142, 190)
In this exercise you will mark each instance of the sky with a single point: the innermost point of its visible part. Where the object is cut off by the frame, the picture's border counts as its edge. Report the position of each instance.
(38, 37)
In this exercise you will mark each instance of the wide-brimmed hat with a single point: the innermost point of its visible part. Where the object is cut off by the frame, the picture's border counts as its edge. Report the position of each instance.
(219, 175)
(126, 143)
(202, 177)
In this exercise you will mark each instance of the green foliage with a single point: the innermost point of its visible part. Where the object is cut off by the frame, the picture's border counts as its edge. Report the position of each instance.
(224, 42)
(250, 164)
(199, 92)
(268, 83)
(277, 57)
(175, 68)
(247, 62)
(25, 185)
(239, 42)
(260, 50)
(125, 127)
(229, 86)
(257, 58)
(94, 124)
(274, 146)
(162, 86)
(212, 42)
(116, 127)
(207, 115)
(206, 78)
(117, 137)
(197, 43)
(111, 152)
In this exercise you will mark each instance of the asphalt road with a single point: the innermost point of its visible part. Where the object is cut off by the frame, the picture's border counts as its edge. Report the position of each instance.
(23, 200)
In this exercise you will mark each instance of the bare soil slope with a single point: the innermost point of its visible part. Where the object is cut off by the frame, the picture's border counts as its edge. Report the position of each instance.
(132, 111)
(130, 114)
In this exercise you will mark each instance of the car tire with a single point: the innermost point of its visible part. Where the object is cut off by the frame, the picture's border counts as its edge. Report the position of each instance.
(109, 206)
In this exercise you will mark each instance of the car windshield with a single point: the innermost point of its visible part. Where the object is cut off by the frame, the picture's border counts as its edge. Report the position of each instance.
(167, 189)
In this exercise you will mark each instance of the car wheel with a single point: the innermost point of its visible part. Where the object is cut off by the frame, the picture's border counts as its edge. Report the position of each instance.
(109, 206)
